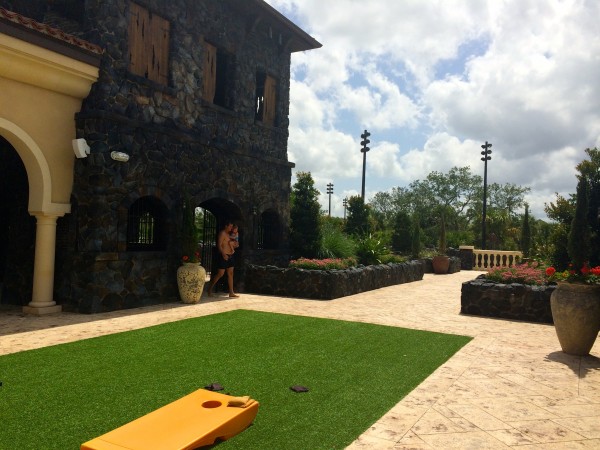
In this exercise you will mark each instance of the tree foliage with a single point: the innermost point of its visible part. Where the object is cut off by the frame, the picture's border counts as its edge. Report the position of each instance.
(357, 223)
(526, 233)
(579, 235)
(401, 235)
(416, 238)
(305, 224)
(564, 211)
(460, 193)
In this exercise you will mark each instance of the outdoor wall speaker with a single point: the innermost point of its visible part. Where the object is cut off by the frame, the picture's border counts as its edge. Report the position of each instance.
(81, 148)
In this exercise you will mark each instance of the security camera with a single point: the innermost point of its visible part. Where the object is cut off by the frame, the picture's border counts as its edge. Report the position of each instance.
(81, 148)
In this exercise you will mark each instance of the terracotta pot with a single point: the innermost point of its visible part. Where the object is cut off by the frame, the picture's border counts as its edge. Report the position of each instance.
(576, 314)
(440, 263)
(190, 282)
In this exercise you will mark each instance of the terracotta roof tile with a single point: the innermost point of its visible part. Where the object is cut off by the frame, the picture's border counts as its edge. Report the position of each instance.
(49, 31)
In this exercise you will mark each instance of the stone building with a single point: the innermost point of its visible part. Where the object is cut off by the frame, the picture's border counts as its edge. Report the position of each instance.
(111, 113)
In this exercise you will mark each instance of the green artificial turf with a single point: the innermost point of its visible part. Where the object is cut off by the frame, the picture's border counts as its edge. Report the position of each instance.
(61, 396)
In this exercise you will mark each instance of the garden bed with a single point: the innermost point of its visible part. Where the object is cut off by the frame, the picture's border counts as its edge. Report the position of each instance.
(328, 284)
(514, 301)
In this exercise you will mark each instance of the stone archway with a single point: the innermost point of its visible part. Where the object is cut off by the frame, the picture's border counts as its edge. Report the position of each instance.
(17, 229)
(45, 211)
(221, 210)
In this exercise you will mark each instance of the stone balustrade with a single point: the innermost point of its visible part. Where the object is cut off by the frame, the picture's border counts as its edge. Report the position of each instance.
(488, 259)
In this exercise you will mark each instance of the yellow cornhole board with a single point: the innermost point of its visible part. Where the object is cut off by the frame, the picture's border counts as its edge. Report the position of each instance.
(193, 421)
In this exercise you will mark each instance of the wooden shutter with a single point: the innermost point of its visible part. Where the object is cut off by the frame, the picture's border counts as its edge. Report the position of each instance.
(148, 44)
(159, 43)
(210, 73)
(270, 101)
(139, 20)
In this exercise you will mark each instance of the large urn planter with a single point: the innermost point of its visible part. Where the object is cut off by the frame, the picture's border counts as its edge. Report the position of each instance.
(440, 263)
(190, 282)
(576, 314)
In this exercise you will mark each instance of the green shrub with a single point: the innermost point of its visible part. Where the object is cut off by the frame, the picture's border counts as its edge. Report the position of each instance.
(370, 250)
(335, 243)
(391, 258)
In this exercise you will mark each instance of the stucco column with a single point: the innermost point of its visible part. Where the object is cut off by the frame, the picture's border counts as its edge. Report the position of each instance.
(43, 269)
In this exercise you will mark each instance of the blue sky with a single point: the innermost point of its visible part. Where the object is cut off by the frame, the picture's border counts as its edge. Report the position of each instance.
(432, 80)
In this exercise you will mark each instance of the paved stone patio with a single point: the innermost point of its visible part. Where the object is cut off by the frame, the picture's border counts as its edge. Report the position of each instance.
(510, 387)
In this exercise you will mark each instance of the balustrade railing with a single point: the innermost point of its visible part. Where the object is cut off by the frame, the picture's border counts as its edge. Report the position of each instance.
(487, 259)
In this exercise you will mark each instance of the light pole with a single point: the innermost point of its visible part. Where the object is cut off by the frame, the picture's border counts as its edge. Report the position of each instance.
(364, 151)
(330, 191)
(345, 203)
(486, 157)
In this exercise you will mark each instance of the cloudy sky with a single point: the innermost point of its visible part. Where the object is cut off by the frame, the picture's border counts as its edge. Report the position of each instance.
(432, 80)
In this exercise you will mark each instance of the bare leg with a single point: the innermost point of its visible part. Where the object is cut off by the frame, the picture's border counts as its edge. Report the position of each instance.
(230, 282)
(214, 280)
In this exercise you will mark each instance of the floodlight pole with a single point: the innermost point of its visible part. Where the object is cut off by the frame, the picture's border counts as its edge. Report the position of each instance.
(345, 203)
(486, 152)
(329, 192)
(364, 151)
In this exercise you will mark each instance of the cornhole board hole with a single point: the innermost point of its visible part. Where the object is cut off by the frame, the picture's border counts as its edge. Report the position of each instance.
(193, 421)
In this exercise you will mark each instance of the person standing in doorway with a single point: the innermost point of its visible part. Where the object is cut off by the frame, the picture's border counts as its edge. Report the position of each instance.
(225, 260)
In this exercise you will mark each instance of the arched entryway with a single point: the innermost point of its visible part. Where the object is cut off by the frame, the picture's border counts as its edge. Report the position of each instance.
(17, 229)
(214, 213)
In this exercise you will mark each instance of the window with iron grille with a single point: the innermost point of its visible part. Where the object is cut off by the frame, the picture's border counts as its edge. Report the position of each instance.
(148, 44)
(265, 99)
(146, 230)
(268, 231)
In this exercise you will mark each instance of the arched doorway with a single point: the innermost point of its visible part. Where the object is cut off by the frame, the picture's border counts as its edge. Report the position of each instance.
(214, 212)
(17, 229)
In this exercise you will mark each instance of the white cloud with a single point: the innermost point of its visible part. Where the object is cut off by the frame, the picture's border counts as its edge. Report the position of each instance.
(432, 80)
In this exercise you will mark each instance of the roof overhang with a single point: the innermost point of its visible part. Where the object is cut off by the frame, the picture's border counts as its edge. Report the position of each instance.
(297, 39)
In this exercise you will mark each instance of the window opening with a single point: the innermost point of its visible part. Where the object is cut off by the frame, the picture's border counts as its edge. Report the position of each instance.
(146, 225)
(265, 98)
(209, 237)
(218, 76)
(268, 231)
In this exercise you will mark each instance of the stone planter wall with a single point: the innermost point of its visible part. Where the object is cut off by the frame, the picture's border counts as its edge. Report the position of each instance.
(506, 301)
(328, 284)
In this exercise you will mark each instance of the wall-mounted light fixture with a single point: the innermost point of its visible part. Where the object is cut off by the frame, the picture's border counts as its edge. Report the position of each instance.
(119, 156)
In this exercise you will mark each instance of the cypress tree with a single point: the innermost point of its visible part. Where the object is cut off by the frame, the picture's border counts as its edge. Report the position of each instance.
(526, 233)
(579, 236)
(305, 224)
(416, 237)
(402, 234)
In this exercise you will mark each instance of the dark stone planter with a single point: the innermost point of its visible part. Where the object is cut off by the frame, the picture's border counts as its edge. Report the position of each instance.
(481, 297)
(328, 284)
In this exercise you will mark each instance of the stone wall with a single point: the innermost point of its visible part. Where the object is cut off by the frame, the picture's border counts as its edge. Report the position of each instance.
(227, 161)
(328, 284)
(481, 297)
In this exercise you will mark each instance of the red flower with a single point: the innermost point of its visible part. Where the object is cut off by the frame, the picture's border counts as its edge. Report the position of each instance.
(186, 257)
(550, 271)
